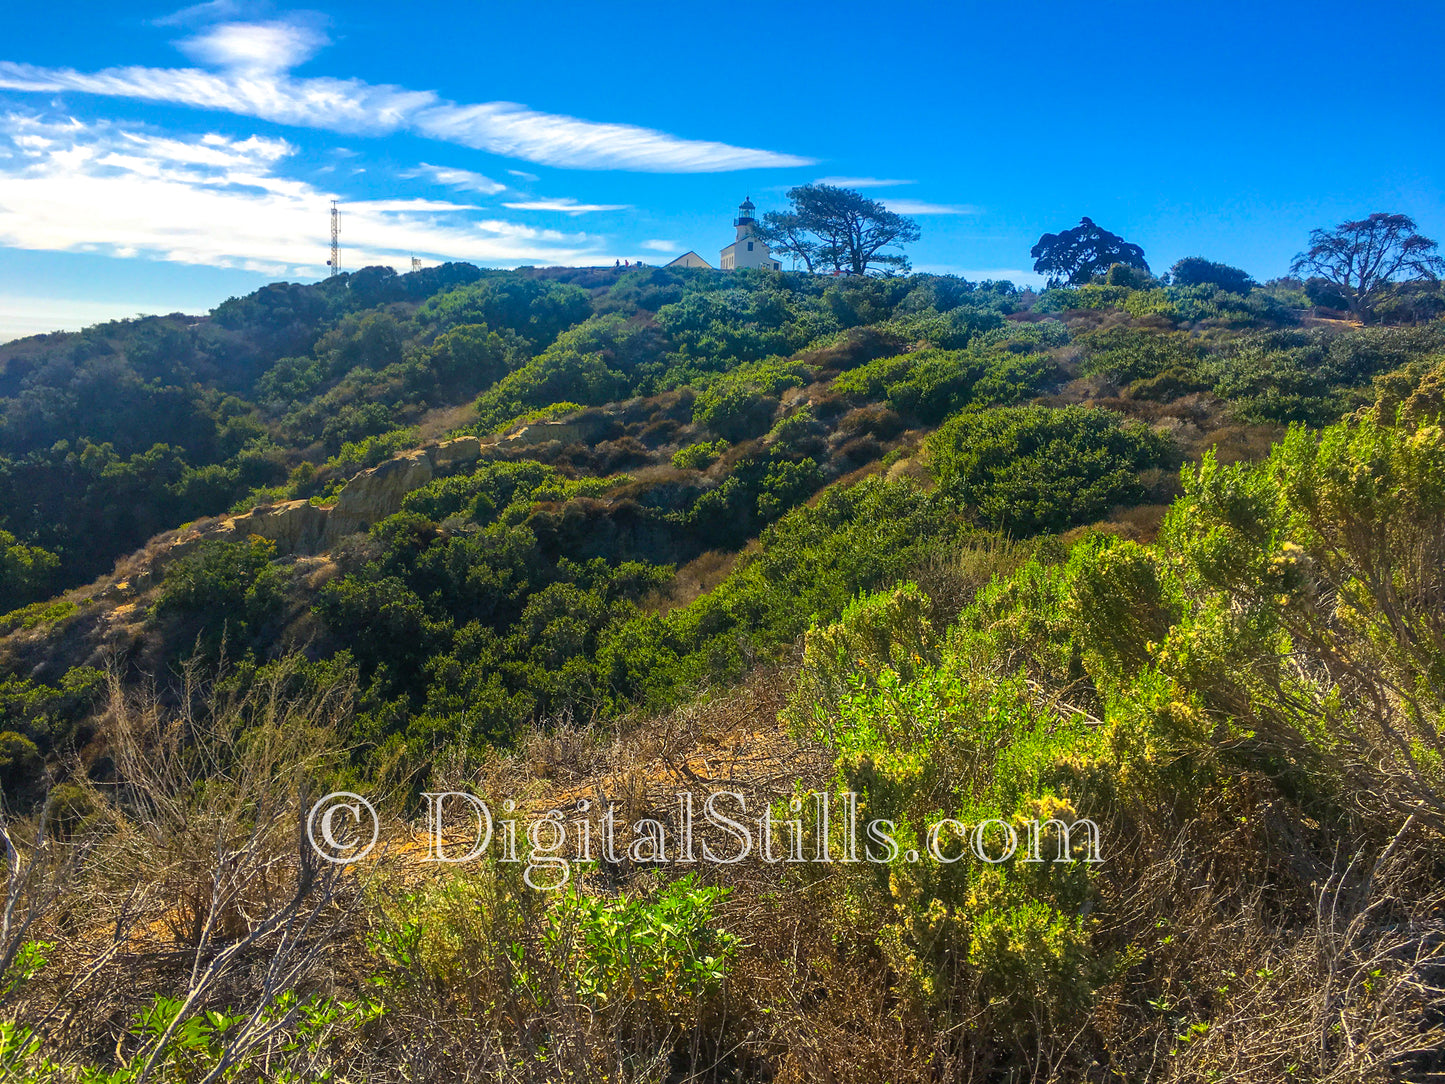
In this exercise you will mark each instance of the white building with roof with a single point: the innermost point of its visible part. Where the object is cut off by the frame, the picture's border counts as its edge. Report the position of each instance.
(690, 259)
(748, 250)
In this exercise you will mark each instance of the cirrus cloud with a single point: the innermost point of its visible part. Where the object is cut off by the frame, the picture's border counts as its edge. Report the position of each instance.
(253, 80)
(919, 207)
(463, 179)
(74, 187)
(861, 182)
(262, 47)
(565, 204)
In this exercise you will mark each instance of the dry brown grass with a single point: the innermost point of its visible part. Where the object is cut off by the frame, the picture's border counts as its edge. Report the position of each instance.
(1307, 961)
(1240, 443)
(187, 876)
(438, 422)
(692, 581)
(874, 420)
(952, 577)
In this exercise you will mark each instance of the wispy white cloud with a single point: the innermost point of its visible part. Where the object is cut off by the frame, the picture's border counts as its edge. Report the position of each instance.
(860, 182)
(524, 175)
(919, 207)
(74, 187)
(661, 246)
(565, 204)
(515, 131)
(463, 179)
(255, 47)
(341, 105)
(211, 11)
(254, 81)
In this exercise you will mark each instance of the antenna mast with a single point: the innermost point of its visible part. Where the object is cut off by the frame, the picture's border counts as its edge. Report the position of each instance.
(335, 262)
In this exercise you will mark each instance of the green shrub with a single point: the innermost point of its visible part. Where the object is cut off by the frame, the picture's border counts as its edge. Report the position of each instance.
(1129, 354)
(874, 631)
(1314, 601)
(537, 310)
(228, 588)
(473, 356)
(959, 740)
(359, 455)
(550, 412)
(1030, 469)
(950, 330)
(751, 318)
(787, 484)
(810, 565)
(37, 613)
(1197, 271)
(26, 572)
(483, 495)
(553, 377)
(930, 384)
(872, 381)
(1088, 296)
(740, 404)
(698, 456)
(21, 765)
(463, 932)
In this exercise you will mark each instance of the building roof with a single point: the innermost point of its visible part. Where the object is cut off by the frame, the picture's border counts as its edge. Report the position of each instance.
(684, 256)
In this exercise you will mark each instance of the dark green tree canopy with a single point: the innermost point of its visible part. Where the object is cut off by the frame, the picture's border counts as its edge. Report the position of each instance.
(840, 230)
(1075, 256)
(1197, 271)
(1365, 257)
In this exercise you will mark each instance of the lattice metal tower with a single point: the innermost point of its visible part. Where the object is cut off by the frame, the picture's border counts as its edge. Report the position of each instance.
(415, 264)
(335, 262)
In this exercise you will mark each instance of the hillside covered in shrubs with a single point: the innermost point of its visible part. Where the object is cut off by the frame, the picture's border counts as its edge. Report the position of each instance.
(1167, 556)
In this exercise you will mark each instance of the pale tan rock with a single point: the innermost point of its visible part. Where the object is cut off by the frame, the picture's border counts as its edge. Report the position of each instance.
(376, 493)
(295, 526)
(542, 432)
(119, 590)
(460, 450)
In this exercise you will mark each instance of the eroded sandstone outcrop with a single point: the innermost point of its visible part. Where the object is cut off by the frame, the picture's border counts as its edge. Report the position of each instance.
(377, 493)
(295, 526)
(584, 428)
(302, 528)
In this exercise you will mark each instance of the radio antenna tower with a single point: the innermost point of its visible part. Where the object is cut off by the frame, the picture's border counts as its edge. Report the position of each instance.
(415, 264)
(335, 262)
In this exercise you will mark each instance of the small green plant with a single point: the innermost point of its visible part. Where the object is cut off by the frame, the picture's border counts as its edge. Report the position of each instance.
(368, 452)
(699, 455)
(37, 613)
(665, 951)
(30, 959)
(550, 412)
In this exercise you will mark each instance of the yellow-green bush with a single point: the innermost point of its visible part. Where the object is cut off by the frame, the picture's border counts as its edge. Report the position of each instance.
(885, 629)
(960, 738)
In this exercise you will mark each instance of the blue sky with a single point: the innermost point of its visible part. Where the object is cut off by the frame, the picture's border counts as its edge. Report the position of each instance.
(156, 159)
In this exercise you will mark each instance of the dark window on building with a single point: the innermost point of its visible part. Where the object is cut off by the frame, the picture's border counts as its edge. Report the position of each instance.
(750, 246)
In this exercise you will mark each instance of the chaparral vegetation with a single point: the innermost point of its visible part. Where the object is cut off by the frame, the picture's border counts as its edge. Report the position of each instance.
(1166, 553)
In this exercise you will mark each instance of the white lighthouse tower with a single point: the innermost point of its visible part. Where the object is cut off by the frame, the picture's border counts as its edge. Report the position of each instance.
(748, 250)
